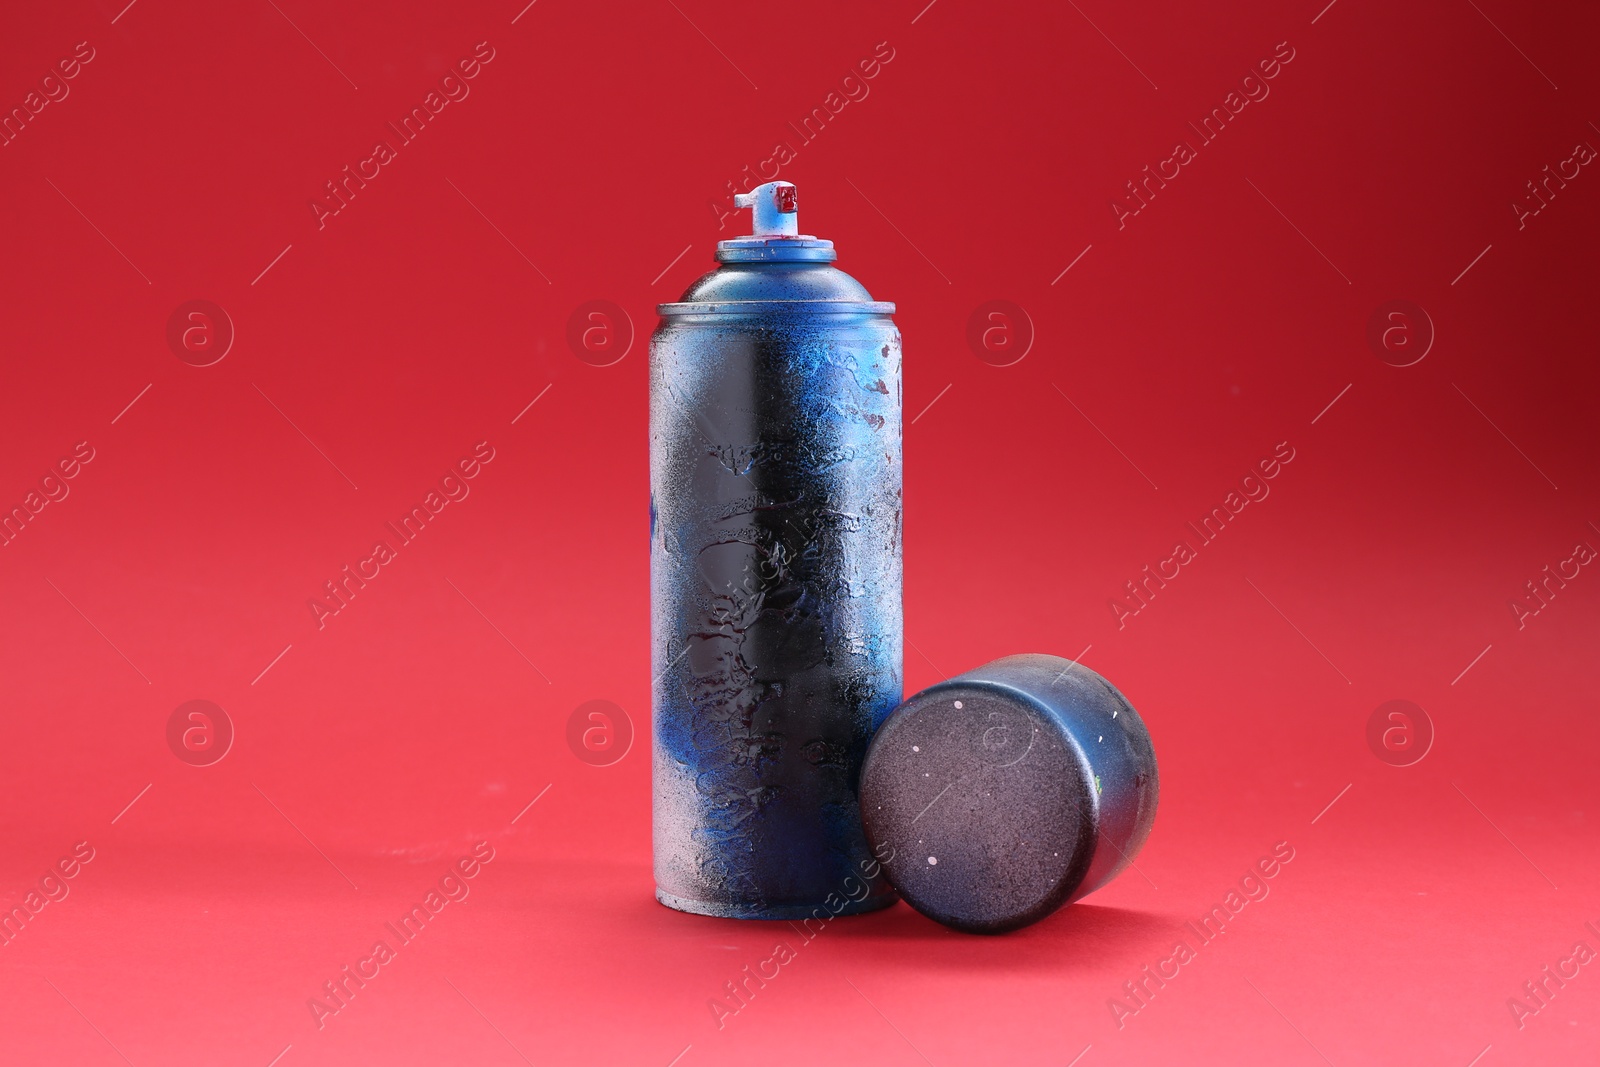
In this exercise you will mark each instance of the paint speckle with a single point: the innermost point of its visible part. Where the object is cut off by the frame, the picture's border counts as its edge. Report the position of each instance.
(958, 705)
(933, 861)
(916, 748)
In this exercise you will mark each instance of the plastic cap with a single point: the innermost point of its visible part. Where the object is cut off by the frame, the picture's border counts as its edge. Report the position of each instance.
(999, 795)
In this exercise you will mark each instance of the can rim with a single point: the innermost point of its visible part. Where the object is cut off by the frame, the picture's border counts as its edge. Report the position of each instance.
(769, 307)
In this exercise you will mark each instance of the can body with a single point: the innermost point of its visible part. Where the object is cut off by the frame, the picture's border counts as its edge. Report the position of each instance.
(775, 569)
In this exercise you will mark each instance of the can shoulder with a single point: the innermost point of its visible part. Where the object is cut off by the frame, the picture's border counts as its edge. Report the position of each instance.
(776, 282)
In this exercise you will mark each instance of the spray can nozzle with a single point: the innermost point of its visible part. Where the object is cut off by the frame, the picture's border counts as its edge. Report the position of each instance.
(775, 235)
(773, 210)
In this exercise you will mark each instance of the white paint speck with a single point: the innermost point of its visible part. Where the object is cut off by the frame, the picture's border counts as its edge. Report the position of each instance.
(915, 748)
(1100, 737)
(958, 704)
(933, 861)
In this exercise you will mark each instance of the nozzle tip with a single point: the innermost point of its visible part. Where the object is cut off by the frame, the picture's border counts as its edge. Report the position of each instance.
(774, 209)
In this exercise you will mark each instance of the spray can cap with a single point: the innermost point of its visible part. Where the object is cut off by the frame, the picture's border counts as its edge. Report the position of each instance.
(775, 230)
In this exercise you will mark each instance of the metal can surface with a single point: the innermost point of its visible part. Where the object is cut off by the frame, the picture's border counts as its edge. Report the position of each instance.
(775, 570)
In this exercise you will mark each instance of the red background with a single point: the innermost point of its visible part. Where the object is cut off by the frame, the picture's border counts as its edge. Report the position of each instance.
(1196, 338)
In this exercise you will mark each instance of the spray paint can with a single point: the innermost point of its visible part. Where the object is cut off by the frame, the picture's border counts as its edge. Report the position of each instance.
(775, 569)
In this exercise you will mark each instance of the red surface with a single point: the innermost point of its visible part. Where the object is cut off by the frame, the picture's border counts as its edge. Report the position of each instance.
(413, 724)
